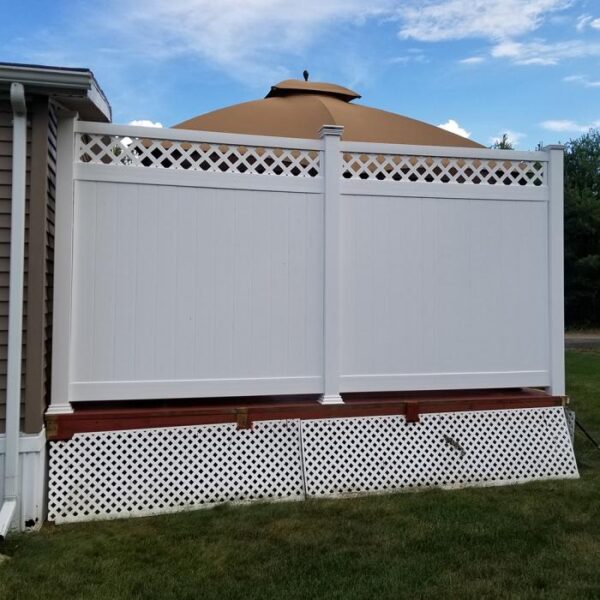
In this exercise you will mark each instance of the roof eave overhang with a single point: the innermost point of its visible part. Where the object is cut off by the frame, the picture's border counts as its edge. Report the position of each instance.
(76, 89)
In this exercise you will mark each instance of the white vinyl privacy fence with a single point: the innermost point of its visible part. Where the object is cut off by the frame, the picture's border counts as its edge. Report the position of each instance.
(198, 264)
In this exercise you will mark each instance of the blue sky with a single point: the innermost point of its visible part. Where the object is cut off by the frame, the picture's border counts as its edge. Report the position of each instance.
(527, 67)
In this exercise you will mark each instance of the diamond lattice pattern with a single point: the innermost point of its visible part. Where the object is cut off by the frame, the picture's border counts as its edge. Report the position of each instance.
(151, 471)
(196, 156)
(430, 169)
(458, 449)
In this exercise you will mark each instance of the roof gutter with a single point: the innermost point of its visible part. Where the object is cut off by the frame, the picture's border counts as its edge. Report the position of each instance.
(15, 308)
(47, 76)
(79, 82)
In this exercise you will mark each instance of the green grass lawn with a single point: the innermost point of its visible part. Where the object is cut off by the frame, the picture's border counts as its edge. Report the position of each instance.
(538, 540)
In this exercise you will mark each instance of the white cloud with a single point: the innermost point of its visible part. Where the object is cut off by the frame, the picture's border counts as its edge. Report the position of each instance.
(501, 22)
(540, 53)
(140, 123)
(245, 37)
(453, 127)
(412, 55)
(567, 125)
(472, 60)
(252, 39)
(145, 123)
(583, 80)
(595, 23)
(513, 137)
(582, 22)
(439, 20)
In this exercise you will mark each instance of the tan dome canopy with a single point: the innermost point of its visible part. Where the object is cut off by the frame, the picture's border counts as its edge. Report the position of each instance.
(299, 109)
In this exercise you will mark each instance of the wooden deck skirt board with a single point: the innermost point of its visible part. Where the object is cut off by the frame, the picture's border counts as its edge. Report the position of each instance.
(115, 416)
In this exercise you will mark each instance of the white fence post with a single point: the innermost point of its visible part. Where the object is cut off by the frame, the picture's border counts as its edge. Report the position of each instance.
(63, 268)
(556, 269)
(332, 174)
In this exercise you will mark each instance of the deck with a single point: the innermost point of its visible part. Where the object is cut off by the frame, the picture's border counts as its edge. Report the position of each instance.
(91, 417)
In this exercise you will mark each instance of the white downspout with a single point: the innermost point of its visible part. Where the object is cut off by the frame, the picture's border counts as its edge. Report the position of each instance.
(15, 308)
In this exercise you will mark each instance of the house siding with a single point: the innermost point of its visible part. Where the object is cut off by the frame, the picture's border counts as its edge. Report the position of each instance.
(5, 216)
(37, 303)
(41, 244)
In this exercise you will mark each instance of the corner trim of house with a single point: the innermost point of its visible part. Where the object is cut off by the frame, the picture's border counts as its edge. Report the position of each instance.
(28, 442)
(31, 503)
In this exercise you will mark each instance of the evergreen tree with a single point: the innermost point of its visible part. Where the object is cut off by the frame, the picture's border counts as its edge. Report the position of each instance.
(582, 230)
(503, 143)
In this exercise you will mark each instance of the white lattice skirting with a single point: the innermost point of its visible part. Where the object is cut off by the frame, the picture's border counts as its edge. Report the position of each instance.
(152, 471)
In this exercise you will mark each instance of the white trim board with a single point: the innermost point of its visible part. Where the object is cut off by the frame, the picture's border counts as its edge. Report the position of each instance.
(443, 381)
(34, 442)
(197, 179)
(190, 388)
(442, 151)
(188, 135)
(423, 189)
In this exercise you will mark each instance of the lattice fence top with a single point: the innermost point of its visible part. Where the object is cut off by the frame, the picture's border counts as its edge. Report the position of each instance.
(120, 150)
(105, 149)
(432, 169)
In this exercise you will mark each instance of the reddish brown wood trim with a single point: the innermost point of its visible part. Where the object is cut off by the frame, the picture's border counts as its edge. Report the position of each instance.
(412, 411)
(245, 411)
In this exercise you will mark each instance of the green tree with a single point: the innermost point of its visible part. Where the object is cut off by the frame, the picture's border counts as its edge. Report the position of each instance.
(503, 143)
(582, 230)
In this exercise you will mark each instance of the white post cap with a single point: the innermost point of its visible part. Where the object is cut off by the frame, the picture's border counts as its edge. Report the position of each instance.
(336, 130)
